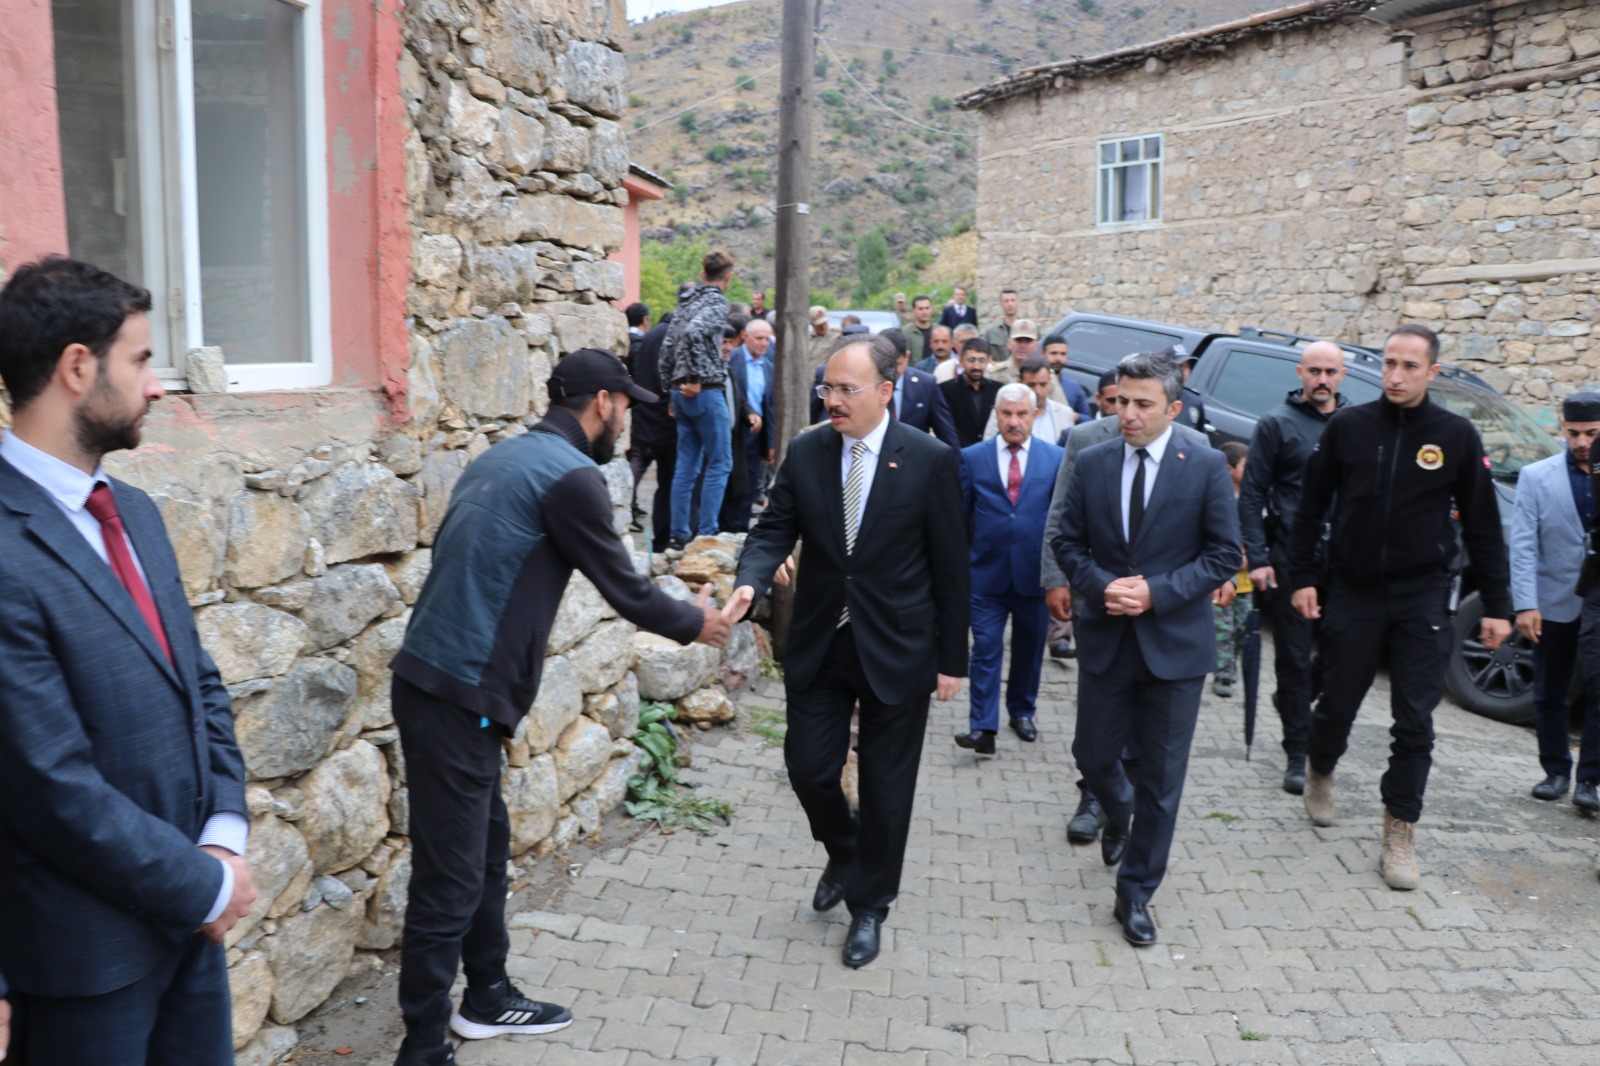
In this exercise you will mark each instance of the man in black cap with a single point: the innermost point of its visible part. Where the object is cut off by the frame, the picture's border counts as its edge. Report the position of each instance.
(522, 517)
(1553, 512)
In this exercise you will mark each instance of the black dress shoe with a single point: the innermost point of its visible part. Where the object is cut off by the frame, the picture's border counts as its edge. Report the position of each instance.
(1062, 649)
(1087, 820)
(1024, 728)
(1294, 776)
(979, 741)
(1113, 842)
(1551, 788)
(1138, 928)
(861, 946)
(830, 888)
(1584, 797)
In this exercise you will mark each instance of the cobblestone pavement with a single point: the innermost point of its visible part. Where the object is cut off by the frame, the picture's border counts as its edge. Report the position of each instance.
(1279, 943)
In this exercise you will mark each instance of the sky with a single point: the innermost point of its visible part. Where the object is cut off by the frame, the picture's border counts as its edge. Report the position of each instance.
(638, 9)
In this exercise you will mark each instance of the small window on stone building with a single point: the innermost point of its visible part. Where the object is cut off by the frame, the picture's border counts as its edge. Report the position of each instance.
(1128, 188)
(192, 142)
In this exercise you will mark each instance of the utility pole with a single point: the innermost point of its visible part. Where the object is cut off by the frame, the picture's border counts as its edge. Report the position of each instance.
(792, 403)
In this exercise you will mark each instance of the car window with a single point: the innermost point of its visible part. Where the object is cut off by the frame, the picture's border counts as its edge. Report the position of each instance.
(1253, 384)
(1359, 390)
(1511, 439)
(1102, 344)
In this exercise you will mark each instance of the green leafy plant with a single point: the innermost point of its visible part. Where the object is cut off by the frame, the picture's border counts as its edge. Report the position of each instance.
(1224, 817)
(656, 793)
(769, 724)
(719, 151)
(1251, 1034)
(745, 83)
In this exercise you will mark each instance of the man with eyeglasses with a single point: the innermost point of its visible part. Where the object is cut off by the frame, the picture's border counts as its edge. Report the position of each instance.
(880, 620)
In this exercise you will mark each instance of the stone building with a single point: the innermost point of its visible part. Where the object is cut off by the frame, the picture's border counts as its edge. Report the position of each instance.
(1328, 168)
(370, 229)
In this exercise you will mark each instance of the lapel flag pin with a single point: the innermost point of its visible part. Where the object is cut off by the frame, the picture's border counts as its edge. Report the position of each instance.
(894, 466)
(1180, 455)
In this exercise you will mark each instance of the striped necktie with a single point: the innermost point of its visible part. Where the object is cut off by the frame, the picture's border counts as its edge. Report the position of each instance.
(852, 508)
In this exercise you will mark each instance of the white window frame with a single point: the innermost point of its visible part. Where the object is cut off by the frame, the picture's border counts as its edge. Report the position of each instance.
(262, 377)
(1107, 188)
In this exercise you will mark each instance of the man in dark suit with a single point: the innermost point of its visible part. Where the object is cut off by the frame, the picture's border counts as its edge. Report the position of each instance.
(917, 400)
(880, 618)
(751, 368)
(122, 811)
(958, 310)
(1005, 486)
(970, 396)
(1148, 531)
(652, 437)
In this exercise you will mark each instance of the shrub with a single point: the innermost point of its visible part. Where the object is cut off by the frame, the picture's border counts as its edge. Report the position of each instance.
(719, 151)
(686, 122)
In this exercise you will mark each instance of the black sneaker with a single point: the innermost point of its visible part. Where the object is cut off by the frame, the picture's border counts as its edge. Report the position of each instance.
(441, 1054)
(500, 1009)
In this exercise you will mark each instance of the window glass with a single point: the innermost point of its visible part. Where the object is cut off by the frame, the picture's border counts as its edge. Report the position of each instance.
(1360, 390)
(1511, 439)
(250, 174)
(1253, 384)
(1102, 344)
(1128, 188)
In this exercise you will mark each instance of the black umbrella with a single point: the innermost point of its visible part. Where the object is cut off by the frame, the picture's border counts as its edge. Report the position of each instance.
(1250, 670)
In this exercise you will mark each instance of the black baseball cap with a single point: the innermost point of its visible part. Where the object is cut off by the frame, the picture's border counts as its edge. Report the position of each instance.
(588, 370)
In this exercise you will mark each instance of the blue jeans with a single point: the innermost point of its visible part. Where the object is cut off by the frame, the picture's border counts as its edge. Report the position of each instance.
(705, 435)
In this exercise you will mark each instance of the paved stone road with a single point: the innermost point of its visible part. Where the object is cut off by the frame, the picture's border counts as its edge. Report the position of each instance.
(1279, 942)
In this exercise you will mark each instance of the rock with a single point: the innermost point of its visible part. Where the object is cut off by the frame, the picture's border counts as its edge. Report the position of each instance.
(522, 50)
(361, 509)
(668, 670)
(309, 954)
(604, 656)
(503, 273)
(332, 891)
(247, 640)
(250, 988)
(422, 387)
(285, 729)
(206, 373)
(410, 572)
(608, 163)
(706, 705)
(267, 537)
(611, 787)
(468, 119)
(521, 141)
(741, 663)
(341, 602)
(566, 146)
(436, 260)
(370, 655)
(400, 811)
(593, 75)
(580, 755)
(485, 363)
(532, 801)
(197, 539)
(708, 567)
(343, 813)
(581, 609)
(673, 585)
(281, 866)
(268, 1048)
(437, 479)
(559, 703)
(711, 544)
(618, 708)
(386, 910)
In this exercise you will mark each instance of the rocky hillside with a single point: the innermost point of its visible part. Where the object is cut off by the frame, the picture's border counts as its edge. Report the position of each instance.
(889, 149)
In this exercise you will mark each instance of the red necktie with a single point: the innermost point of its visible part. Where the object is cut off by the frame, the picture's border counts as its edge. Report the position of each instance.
(103, 506)
(1014, 476)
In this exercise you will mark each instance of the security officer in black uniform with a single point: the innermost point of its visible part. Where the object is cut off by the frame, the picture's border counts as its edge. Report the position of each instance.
(1391, 470)
(1268, 500)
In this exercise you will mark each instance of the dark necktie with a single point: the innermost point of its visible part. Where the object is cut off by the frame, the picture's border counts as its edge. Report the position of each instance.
(1014, 475)
(1136, 498)
(103, 506)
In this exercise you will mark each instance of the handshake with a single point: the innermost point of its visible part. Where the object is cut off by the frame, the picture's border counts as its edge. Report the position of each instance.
(717, 624)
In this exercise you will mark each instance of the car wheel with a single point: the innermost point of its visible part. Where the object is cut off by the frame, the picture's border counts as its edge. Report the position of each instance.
(1496, 684)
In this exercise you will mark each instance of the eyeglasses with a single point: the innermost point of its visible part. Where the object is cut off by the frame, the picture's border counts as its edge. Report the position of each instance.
(824, 391)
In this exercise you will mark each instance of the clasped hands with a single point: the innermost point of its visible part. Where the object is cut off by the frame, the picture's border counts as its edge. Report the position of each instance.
(244, 894)
(1128, 596)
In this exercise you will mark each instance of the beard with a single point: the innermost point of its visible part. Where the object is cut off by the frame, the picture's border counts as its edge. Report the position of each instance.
(604, 447)
(100, 427)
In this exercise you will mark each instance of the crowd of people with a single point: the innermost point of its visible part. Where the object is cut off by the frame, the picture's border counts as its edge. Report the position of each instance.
(964, 489)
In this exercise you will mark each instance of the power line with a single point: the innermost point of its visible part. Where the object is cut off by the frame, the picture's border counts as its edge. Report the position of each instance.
(724, 92)
(874, 98)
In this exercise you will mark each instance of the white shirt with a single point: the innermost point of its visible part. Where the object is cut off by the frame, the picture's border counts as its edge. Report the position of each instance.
(1003, 450)
(1130, 464)
(69, 488)
(869, 460)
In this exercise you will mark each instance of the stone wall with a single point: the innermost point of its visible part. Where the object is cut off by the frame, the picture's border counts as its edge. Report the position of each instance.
(1280, 168)
(1502, 219)
(303, 521)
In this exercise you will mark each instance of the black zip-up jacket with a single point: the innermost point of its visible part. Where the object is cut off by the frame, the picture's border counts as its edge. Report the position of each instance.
(1396, 472)
(1279, 447)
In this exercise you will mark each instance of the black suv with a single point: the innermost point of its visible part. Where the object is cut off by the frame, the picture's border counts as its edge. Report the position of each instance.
(1239, 377)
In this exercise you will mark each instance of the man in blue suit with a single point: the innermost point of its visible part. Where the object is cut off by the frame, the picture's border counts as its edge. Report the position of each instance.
(1148, 531)
(122, 810)
(1005, 487)
(1554, 510)
(917, 400)
(751, 366)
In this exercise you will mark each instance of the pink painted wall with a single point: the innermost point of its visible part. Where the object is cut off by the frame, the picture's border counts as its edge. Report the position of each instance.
(33, 214)
(628, 254)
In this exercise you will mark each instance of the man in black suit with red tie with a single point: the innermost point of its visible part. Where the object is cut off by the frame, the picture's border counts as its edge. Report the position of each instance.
(880, 619)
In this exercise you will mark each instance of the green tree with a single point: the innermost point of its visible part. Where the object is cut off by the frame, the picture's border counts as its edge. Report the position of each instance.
(664, 265)
(872, 264)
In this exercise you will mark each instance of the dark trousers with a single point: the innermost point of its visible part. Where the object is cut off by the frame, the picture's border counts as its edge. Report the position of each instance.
(1029, 619)
(1586, 651)
(1408, 621)
(889, 747)
(665, 456)
(735, 517)
(1132, 708)
(460, 843)
(1291, 663)
(177, 1013)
